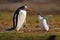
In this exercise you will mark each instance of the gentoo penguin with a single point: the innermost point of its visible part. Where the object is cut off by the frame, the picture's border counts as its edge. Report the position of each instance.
(19, 18)
(43, 22)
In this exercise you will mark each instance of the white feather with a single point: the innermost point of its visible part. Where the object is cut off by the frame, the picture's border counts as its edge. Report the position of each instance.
(21, 19)
(43, 23)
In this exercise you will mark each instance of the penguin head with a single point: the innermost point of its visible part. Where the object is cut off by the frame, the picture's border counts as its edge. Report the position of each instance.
(23, 7)
(38, 13)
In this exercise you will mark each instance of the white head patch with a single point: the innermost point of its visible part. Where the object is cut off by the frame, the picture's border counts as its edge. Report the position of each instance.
(25, 6)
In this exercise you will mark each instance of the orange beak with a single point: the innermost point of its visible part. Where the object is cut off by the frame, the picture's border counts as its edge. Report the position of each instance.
(29, 9)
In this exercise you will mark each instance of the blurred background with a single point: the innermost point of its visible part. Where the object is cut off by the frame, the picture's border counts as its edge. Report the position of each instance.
(32, 30)
(45, 7)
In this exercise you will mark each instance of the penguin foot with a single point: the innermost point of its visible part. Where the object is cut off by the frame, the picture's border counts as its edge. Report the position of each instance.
(17, 30)
(20, 31)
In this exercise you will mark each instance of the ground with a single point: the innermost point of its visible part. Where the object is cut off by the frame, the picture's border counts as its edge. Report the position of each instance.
(32, 30)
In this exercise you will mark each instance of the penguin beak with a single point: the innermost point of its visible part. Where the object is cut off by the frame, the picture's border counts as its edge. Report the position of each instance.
(29, 9)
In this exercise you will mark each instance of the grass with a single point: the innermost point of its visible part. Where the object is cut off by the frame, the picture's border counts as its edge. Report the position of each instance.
(54, 22)
(25, 36)
(8, 16)
(6, 19)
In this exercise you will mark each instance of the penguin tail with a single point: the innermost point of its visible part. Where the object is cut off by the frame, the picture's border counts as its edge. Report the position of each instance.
(11, 29)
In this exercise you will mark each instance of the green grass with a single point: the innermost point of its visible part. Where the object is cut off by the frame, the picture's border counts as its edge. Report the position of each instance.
(6, 15)
(6, 18)
(32, 19)
(25, 36)
(9, 15)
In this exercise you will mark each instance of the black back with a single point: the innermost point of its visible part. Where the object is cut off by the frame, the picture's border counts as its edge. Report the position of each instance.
(15, 17)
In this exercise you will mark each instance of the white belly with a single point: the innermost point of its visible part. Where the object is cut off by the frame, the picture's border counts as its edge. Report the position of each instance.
(21, 19)
(43, 24)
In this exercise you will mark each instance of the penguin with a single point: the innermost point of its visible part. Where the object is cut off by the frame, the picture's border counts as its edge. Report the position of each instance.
(43, 23)
(19, 18)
